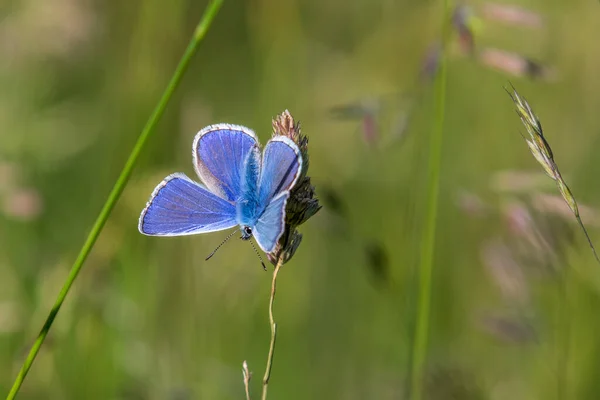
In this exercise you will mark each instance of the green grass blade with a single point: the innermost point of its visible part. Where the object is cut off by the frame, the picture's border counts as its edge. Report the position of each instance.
(199, 33)
(421, 333)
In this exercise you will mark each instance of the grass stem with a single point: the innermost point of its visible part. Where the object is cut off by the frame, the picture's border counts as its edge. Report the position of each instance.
(421, 334)
(199, 33)
(273, 326)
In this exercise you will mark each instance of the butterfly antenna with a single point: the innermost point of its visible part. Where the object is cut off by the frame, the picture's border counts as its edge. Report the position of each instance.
(219, 246)
(258, 254)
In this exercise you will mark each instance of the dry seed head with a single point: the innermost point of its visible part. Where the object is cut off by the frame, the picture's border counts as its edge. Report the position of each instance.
(542, 159)
(542, 152)
(302, 203)
(532, 124)
(538, 145)
(568, 196)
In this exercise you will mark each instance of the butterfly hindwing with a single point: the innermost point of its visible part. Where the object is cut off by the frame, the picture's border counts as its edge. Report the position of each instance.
(180, 206)
(271, 223)
(220, 152)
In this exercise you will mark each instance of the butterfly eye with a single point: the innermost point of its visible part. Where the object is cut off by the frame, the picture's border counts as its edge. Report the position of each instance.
(246, 233)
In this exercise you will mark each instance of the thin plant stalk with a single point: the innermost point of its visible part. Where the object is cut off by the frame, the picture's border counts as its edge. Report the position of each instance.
(421, 333)
(247, 376)
(199, 33)
(273, 326)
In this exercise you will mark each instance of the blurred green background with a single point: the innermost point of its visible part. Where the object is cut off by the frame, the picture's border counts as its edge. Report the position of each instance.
(516, 291)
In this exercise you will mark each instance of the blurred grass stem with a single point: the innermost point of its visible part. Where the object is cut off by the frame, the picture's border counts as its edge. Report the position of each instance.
(273, 325)
(421, 333)
(199, 33)
(564, 334)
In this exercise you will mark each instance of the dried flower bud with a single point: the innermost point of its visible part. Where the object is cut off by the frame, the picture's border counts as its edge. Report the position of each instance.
(302, 203)
(368, 111)
(286, 247)
(462, 21)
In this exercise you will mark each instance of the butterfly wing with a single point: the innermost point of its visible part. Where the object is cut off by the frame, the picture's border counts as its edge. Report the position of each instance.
(281, 168)
(219, 154)
(179, 206)
(271, 223)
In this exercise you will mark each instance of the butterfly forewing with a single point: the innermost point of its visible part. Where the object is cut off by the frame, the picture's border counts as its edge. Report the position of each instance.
(281, 168)
(220, 152)
(180, 206)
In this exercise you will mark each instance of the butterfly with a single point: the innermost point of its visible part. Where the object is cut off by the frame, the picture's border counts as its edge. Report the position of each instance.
(241, 187)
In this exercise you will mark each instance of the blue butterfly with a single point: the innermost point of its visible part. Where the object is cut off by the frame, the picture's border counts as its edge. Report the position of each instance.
(241, 188)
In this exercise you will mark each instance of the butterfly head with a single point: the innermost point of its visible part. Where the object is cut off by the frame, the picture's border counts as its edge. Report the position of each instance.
(246, 232)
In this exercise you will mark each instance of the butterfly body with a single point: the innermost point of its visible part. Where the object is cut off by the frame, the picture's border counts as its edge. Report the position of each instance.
(248, 204)
(241, 187)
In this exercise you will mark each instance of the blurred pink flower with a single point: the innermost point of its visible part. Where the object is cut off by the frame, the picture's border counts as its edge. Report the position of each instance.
(505, 271)
(515, 64)
(24, 204)
(471, 204)
(47, 28)
(512, 14)
(554, 204)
